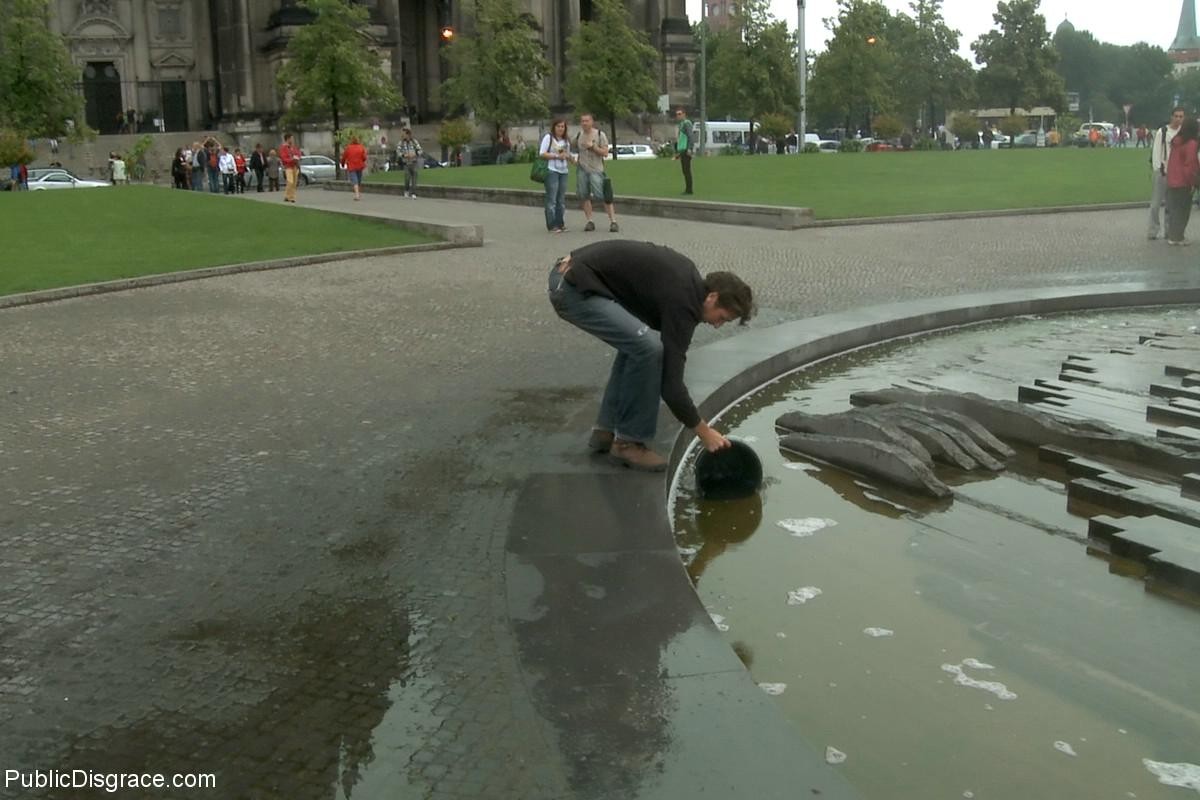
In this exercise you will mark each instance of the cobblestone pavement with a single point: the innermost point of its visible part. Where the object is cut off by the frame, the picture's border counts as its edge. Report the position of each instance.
(254, 525)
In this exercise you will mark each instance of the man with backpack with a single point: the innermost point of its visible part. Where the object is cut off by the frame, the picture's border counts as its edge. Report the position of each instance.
(1160, 151)
(592, 146)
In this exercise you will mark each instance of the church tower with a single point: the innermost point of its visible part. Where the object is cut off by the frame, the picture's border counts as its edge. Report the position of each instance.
(1185, 50)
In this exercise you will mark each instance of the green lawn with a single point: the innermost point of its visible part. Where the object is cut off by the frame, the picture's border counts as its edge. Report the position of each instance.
(68, 237)
(845, 185)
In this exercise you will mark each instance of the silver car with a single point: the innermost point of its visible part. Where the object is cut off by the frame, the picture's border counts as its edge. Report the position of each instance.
(317, 168)
(61, 179)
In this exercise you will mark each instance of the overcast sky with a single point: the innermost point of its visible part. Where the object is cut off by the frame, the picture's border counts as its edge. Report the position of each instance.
(1152, 21)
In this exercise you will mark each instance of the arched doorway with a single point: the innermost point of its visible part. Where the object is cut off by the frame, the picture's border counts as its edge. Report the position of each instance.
(102, 96)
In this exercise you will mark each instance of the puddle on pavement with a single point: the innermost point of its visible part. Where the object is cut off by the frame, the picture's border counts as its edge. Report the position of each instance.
(332, 697)
(961, 648)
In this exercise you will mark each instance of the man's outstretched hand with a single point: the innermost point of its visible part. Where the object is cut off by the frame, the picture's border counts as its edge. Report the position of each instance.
(711, 438)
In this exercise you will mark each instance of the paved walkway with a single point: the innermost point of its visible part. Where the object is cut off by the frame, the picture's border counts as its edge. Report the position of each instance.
(255, 525)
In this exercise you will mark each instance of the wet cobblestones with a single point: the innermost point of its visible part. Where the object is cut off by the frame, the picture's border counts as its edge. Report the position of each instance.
(255, 525)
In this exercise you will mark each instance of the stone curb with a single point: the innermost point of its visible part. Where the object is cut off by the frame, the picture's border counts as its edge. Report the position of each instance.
(144, 281)
(986, 214)
(773, 217)
(757, 216)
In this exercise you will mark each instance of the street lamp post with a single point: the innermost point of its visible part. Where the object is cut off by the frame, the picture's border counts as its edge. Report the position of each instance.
(703, 78)
(802, 68)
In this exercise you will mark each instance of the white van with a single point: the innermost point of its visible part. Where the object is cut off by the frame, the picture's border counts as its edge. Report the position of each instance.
(722, 134)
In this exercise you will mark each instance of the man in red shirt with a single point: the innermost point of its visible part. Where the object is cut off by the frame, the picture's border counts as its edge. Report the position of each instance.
(354, 161)
(289, 156)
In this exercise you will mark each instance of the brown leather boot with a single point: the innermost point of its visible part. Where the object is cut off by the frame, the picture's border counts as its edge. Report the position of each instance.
(636, 455)
(600, 441)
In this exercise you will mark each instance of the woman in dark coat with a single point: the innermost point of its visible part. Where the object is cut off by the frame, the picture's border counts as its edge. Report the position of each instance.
(179, 170)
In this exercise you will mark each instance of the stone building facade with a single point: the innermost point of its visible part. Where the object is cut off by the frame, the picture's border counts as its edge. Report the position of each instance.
(203, 63)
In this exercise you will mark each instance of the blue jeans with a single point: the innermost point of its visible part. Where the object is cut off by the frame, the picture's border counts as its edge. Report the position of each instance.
(556, 199)
(214, 180)
(629, 407)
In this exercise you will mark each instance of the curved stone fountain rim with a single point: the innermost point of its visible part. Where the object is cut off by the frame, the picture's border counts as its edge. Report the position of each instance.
(723, 373)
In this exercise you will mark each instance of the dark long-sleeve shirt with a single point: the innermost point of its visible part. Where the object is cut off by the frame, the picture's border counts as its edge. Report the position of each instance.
(660, 287)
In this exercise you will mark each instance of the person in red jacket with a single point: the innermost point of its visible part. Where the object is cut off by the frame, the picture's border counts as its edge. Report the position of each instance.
(239, 166)
(1183, 174)
(289, 156)
(354, 161)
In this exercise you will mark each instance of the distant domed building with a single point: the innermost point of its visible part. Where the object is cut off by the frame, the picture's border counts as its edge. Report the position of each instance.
(1064, 27)
(1185, 50)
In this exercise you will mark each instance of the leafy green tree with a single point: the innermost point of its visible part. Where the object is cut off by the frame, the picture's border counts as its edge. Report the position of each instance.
(1144, 78)
(930, 73)
(775, 126)
(14, 149)
(38, 91)
(753, 69)
(332, 69)
(500, 69)
(455, 134)
(966, 127)
(1108, 76)
(1013, 125)
(1019, 59)
(1188, 87)
(612, 66)
(887, 126)
(853, 79)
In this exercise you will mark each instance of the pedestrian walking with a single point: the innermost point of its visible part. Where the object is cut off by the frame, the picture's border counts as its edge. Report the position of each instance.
(239, 166)
(1160, 152)
(258, 165)
(354, 161)
(591, 181)
(685, 140)
(556, 150)
(228, 168)
(1183, 174)
(213, 168)
(289, 157)
(411, 155)
(645, 301)
(273, 168)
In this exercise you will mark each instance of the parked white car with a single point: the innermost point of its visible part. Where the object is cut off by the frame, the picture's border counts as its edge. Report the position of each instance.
(61, 179)
(624, 151)
(829, 145)
(317, 168)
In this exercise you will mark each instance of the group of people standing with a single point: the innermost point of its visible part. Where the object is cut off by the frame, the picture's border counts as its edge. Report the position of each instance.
(1175, 172)
(211, 166)
(587, 150)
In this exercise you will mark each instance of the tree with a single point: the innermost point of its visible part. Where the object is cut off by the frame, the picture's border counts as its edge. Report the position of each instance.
(753, 69)
(966, 128)
(14, 149)
(332, 69)
(454, 135)
(37, 79)
(500, 70)
(930, 73)
(852, 79)
(1019, 59)
(612, 66)
(887, 126)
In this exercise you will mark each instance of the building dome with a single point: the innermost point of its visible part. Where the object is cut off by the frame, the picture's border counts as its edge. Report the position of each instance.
(1064, 27)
